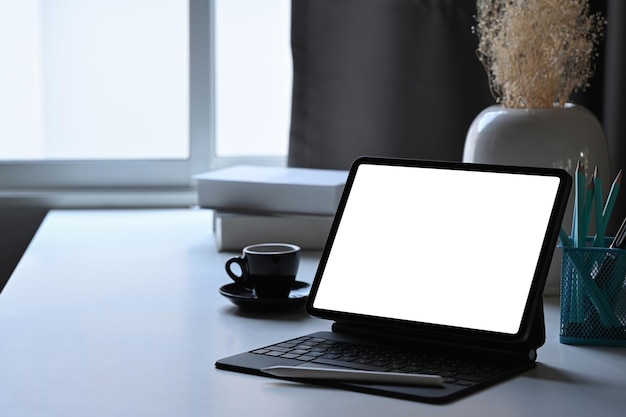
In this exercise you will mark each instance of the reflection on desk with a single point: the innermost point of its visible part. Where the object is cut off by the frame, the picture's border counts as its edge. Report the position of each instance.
(118, 313)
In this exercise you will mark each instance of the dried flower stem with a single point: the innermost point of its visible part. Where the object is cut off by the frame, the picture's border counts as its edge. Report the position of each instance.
(537, 52)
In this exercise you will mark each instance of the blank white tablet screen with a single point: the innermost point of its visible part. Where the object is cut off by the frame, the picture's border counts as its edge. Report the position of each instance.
(448, 247)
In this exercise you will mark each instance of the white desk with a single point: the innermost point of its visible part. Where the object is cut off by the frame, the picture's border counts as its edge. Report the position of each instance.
(117, 313)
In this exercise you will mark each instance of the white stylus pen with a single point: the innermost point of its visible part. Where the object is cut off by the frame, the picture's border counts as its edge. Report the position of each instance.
(350, 375)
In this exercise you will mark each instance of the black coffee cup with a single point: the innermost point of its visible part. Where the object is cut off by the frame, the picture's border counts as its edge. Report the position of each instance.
(267, 268)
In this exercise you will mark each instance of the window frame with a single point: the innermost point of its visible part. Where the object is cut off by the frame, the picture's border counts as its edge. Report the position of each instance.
(135, 183)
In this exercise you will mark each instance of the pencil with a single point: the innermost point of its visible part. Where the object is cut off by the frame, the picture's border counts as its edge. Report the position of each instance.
(565, 240)
(612, 197)
(578, 237)
(597, 198)
(590, 197)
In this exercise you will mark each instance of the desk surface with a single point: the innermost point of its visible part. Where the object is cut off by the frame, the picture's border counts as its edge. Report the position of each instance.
(117, 313)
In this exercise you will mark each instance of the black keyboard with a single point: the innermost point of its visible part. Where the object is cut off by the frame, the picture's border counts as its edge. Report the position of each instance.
(352, 355)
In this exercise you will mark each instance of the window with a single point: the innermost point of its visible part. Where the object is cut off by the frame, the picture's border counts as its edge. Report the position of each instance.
(111, 102)
(256, 123)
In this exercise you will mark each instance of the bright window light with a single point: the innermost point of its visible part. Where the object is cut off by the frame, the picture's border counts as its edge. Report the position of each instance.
(253, 75)
(109, 97)
(97, 79)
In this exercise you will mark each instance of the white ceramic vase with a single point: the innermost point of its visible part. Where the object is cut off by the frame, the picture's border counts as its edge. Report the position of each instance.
(556, 138)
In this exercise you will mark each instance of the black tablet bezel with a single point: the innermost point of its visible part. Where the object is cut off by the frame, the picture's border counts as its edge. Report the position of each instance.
(448, 333)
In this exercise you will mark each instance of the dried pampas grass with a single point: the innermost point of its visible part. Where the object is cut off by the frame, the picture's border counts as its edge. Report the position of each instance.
(537, 52)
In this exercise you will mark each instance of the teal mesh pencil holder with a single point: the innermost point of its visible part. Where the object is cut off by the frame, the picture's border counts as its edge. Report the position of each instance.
(593, 296)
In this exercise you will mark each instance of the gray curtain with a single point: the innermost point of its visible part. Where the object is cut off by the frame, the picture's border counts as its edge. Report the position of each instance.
(611, 108)
(383, 77)
(401, 78)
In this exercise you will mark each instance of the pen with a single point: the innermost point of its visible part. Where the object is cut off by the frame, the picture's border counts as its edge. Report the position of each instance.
(604, 274)
(620, 237)
(349, 375)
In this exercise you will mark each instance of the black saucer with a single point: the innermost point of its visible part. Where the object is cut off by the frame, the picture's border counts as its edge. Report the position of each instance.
(246, 299)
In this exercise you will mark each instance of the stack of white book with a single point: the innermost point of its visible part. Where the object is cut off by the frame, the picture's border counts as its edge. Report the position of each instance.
(255, 204)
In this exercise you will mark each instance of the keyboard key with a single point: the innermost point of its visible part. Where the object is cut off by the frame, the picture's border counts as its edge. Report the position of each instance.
(289, 356)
